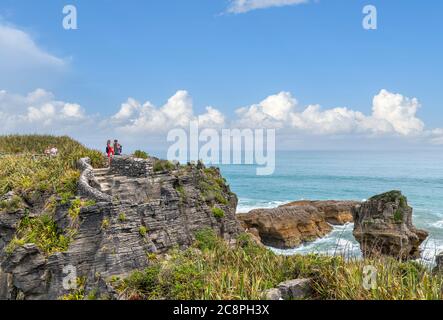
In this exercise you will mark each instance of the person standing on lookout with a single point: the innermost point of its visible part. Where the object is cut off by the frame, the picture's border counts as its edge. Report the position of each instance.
(117, 148)
(109, 151)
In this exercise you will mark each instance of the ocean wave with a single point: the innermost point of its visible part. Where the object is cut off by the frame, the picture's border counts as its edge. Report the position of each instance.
(246, 205)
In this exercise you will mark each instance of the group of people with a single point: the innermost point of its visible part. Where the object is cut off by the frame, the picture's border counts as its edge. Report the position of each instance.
(113, 149)
(51, 151)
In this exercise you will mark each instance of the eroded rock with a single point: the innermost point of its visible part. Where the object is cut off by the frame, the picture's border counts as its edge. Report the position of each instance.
(383, 226)
(292, 224)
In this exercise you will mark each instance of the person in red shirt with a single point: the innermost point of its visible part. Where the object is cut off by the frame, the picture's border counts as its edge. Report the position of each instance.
(109, 151)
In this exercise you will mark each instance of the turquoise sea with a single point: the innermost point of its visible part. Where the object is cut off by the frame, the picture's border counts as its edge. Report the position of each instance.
(347, 175)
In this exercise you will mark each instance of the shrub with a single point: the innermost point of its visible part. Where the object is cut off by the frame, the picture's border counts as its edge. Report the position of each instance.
(218, 213)
(398, 216)
(105, 223)
(143, 231)
(12, 204)
(163, 165)
(140, 154)
(122, 217)
(43, 232)
(206, 239)
(218, 271)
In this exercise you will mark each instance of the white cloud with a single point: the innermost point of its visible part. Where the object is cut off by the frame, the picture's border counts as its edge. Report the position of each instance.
(391, 114)
(272, 112)
(212, 118)
(38, 111)
(242, 6)
(133, 117)
(18, 51)
(398, 111)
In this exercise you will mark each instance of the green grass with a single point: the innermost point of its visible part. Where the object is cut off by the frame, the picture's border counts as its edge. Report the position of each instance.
(163, 165)
(31, 177)
(213, 186)
(39, 180)
(43, 232)
(13, 204)
(218, 213)
(122, 217)
(212, 269)
(398, 216)
(105, 223)
(143, 231)
(140, 154)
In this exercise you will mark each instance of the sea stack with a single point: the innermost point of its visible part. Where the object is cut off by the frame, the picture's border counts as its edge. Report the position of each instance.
(383, 226)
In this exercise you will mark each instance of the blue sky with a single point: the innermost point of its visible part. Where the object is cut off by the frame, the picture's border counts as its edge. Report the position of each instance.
(148, 50)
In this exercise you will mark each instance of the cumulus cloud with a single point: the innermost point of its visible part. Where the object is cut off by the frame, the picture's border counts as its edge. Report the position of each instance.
(38, 111)
(18, 51)
(134, 117)
(272, 112)
(242, 6)
(391, 114)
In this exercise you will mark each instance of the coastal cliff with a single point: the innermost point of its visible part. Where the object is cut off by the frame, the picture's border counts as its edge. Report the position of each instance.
(73, 229)
(120, 217)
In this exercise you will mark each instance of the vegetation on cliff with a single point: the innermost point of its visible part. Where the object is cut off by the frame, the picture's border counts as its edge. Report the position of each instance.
(213, 269)
(38, 182)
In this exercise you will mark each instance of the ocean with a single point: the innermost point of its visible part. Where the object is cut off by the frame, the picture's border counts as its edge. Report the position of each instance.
(347, 175)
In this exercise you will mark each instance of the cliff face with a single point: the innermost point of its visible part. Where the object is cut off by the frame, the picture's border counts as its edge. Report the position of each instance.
(292, 224)
(141, 208)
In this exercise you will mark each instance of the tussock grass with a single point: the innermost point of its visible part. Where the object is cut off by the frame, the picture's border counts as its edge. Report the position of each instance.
(37, 182)
(24, 173)
(212, 269)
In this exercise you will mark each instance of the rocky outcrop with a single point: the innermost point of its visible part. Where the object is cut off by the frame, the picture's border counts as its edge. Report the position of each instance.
(292, 224)
(134, 218)
(334, 212)
(296, 289)
(383, 226)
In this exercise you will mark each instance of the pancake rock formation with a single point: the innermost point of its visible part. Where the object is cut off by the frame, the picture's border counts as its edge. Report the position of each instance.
(141, 207)
(290, 225)
(383, 226)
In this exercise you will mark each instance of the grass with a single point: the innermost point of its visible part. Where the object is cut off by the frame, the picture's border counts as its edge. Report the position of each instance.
(218, 213)
(181, 191)
(212, 269)
(213, 186)
(43, 232)
(31, 177)
(105, 223)
(39, 180)
(122, 217)
(163, 165)
(143, 231)
(140, 154)
(13, 204)
(398, 216)
(76, 206)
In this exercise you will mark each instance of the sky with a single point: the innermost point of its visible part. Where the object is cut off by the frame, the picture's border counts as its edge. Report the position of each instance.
(135, 69)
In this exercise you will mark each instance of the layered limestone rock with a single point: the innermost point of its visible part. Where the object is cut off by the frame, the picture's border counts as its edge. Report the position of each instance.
(138, 213)
(334, 212)
(292, 224)
(383, 226)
